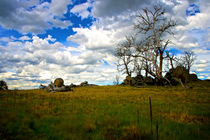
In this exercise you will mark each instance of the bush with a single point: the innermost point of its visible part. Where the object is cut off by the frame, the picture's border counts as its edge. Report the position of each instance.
(3, 85)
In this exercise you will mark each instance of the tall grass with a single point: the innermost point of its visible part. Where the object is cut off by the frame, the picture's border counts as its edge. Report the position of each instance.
(106, 112)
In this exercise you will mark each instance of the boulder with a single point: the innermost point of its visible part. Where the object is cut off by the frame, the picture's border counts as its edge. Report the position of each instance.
(59, 82)
(192, 78)
(72, 85)
(127, 80)
(149, 81)
(181, 73)
(56, 86)
(83, 84)
(62, 89)
(134, 81)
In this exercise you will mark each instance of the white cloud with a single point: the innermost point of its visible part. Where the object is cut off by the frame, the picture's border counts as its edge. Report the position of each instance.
(94, 38)
(23, 38)
(201, 77)
(39, 61)
(200, 65)
(203, 61)
(5, 39)
(200, 70)
(59, 7)
(201, 51)
(81, 10)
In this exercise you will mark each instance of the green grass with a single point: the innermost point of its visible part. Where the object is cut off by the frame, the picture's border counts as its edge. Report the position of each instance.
(106, 112)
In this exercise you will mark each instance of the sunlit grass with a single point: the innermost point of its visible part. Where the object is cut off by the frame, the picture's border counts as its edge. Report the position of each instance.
(106, 112)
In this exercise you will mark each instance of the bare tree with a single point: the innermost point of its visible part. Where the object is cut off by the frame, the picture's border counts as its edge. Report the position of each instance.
(154, 26)
(116, 80)
(124, 54)
(188, 60)
(173, 60)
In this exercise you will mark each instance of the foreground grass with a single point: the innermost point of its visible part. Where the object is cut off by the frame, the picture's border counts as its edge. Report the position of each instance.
(106, 112)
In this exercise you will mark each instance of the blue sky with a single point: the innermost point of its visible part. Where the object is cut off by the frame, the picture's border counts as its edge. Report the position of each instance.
(41, 40)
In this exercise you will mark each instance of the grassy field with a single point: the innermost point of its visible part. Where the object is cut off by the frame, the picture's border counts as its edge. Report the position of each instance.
(107, 112)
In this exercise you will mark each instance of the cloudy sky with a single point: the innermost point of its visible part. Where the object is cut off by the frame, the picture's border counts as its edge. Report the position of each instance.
(41, 40)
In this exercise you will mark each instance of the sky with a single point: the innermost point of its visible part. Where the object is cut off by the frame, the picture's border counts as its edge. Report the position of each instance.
(41, 40)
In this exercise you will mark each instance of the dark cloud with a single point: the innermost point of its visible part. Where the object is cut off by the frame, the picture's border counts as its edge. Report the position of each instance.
(8, 7)
(31, 16)
(104, 8)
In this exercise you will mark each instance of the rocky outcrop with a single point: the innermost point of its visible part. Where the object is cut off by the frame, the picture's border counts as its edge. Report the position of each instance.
(180, 75)
(86, 84)
(57, 86)
(139, 80)
(173, 77)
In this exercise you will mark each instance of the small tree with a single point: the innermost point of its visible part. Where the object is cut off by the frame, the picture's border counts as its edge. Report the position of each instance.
(116, 80)
(124, 54)
(188, 60)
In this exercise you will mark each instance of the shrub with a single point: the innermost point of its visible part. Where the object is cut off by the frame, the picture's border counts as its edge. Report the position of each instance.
(3, 85)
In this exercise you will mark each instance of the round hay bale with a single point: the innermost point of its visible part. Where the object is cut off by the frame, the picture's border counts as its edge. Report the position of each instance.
(59, 82)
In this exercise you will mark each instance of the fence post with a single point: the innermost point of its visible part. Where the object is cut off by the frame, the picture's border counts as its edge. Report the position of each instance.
(150, 106)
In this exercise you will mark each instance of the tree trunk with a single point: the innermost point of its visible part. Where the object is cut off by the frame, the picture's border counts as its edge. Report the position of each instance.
(161, 64)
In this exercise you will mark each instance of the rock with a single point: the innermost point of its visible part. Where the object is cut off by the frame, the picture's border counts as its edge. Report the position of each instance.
(42, 86)
(83, 84)
(62, 89)
(127, 80)
(180, 75)
(149, 81)
(134, 81)
(55, 87)
(3, 85)
(59, 82)
(192, 78)
(72, 85)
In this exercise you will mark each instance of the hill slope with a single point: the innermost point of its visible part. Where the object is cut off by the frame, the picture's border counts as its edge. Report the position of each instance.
(107, 112)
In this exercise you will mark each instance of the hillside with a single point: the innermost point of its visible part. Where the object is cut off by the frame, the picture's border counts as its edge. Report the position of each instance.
(107, 112)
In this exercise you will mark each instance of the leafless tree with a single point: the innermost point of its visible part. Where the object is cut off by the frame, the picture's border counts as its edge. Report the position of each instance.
(124, 54)
(116, 80)
(154, 26)
(188, 60)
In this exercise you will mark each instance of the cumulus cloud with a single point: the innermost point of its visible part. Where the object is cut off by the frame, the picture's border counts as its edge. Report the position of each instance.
(23, 38)
(42, 60)
(30, 16)
(94, 38)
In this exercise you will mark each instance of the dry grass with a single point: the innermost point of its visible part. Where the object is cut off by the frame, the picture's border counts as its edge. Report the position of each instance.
(106, 112)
